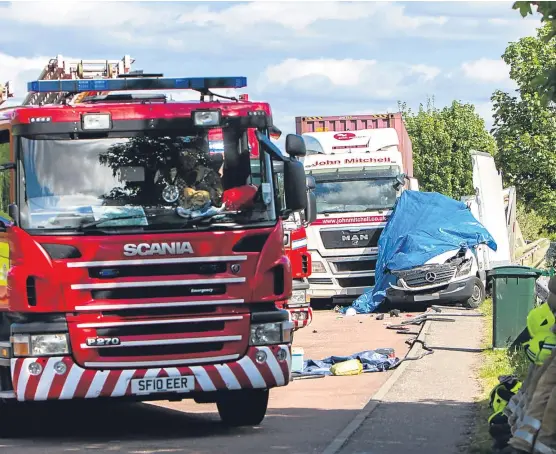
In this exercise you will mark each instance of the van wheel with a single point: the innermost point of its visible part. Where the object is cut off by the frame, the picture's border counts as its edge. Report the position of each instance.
(478, 295)
(243, 408)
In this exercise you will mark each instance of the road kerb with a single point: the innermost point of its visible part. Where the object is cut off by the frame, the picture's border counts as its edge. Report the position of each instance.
(336, 445)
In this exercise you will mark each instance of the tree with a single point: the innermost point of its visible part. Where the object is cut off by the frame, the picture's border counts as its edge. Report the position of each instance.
(525, 127)
(545, 81)
(442, 141)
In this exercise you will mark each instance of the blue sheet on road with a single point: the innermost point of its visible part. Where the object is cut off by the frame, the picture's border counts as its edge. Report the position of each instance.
(422, 226)
(371, 360)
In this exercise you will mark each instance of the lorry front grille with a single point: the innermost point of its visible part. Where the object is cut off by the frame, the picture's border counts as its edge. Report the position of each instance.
(343, 239)
(425, 276)
(363, 281)
(354, 265)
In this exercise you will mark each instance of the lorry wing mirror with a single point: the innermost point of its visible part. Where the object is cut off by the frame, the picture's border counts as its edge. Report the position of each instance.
(310, 182)
(294, 185)
(400, 179)
(295, 146)
(413, 184)
(311, 210)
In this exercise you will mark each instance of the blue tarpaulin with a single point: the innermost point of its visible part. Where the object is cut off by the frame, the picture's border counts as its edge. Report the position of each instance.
(371, 360)
(422, 226)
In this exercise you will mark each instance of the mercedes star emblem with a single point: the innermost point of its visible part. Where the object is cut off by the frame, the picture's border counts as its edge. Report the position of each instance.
(430, 277)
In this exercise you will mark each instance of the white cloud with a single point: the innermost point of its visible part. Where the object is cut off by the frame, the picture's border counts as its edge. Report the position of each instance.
(340, 72)
(19, 69)
(486, 70)
(427, 73)
(367, 77)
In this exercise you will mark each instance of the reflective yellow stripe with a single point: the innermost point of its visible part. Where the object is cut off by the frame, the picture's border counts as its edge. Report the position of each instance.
(4, 263)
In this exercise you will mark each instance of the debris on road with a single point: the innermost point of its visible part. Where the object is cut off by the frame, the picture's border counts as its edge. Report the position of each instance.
(378, 360)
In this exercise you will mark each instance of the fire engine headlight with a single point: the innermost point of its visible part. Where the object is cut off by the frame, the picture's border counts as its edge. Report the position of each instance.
(40, 344)
(464, 268)
(204, 118)
(317, 267)
(270, 333)
(298, 298)
(95, 121)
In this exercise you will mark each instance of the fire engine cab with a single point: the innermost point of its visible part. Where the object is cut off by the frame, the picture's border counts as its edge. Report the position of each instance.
(135, 263)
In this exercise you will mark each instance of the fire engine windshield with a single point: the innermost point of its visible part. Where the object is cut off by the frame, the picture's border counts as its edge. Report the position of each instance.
(355, 189)
(146, 181)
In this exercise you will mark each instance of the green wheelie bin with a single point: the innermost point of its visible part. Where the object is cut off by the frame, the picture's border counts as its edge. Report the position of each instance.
(513, 296)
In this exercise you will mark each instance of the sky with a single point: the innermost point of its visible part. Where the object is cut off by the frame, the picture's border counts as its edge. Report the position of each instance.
(305, 58)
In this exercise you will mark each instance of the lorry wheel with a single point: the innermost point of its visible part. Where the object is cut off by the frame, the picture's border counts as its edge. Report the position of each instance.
(243, 408)
(478, 296)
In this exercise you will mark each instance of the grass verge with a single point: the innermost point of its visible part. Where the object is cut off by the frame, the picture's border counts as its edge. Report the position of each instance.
(493, 364)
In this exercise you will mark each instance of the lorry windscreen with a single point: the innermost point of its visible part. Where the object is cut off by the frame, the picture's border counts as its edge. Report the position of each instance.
(351, 190)
(149, 181)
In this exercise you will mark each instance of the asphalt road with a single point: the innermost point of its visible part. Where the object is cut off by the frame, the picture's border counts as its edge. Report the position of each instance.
(302, 417)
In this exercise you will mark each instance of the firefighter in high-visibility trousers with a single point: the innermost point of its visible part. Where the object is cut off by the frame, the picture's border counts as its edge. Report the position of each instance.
(534, 419)
(500, 395)
(539, 322)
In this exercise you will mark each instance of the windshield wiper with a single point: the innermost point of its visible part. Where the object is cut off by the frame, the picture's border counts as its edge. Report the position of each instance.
(88, 225)
(330, 211)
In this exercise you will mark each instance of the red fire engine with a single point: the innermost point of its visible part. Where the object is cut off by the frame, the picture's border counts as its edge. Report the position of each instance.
(295, 236)
(135, 264)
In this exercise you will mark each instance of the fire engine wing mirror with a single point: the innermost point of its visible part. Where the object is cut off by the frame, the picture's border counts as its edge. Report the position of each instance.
(311, 210)
(269, 147)
(295, 146)
(310, 182)
(294, 185)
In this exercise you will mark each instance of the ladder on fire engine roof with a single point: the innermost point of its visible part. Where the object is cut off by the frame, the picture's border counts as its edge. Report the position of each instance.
(6, 92)
(59, 68)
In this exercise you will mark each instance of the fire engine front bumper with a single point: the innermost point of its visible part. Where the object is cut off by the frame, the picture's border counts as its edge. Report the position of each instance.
(60, 378)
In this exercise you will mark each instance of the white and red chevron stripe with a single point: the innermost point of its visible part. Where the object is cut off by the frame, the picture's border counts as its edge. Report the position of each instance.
(298, 324)
(79, 383)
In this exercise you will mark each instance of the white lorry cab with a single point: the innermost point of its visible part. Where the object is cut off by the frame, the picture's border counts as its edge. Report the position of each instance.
(358, 176)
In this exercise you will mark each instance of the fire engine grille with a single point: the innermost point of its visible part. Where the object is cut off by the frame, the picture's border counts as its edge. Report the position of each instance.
(150, 337)
(171, 269)
(343, 239)
(354, 265)
(159, 292)
(163, 350)
(363, 281)
(433, 275)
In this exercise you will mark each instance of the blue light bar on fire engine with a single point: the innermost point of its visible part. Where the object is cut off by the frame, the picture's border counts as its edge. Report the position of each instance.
(135, 83)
